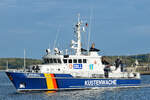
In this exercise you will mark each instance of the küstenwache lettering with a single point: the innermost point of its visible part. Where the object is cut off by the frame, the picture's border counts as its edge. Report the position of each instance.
(100, 82)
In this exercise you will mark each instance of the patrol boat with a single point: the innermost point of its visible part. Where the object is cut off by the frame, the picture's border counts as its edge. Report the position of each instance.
(84, 69)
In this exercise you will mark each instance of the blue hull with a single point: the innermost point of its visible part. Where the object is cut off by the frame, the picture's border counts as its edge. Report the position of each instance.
(38, 81)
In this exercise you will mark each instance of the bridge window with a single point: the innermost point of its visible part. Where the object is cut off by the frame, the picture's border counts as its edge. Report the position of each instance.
(70, 60)
(55, 61)
(50, 60)
(65, 60)
(84, 61)
(79, 60)
(45, 61)
(59, 61)
(74, 60)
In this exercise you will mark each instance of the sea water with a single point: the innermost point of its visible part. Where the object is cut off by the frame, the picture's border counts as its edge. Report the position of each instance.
(8, 92)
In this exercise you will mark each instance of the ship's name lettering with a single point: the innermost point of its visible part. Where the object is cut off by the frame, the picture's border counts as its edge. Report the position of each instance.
(100, 82)
(32, 75)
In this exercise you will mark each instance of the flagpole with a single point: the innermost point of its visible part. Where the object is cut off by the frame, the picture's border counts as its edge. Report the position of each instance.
(24, 59)
(89, 34)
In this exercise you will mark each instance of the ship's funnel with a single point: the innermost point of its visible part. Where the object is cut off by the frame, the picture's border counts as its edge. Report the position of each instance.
(93, 49)
(93, 45)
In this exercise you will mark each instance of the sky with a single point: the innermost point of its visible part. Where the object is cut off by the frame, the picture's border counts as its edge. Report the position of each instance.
(118, 27)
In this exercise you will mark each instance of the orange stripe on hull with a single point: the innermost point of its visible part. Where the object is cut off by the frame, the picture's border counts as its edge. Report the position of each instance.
(54, 81)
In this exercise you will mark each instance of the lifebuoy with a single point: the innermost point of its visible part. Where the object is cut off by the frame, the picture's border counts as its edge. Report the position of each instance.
(70, 66)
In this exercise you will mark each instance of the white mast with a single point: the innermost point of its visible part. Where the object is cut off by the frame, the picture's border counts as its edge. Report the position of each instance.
(77, 44)
(24, 59)
(78, 36)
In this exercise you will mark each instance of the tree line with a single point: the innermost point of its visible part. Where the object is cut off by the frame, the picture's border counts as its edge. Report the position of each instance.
(18, 63)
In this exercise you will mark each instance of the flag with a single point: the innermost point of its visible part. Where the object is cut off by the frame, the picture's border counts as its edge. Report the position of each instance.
(86, 24)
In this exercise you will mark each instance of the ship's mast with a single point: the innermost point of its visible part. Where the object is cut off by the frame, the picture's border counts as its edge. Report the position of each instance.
(76, 45)
(78, 26)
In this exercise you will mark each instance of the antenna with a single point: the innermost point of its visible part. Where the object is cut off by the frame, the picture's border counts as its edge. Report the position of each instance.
(24, 59)
(89, 35)
(49, 46)
(56, 37)
(78, 17)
